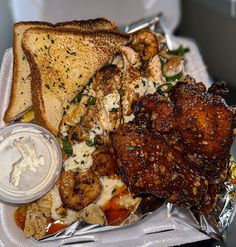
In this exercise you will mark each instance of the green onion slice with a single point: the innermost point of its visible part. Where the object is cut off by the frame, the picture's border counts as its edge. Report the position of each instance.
(78, 98)
(91, 100)
(130, 148)
(91, 143)
(114, 110)
(165, 88)
(174, 77)
(67, 147)
(179, 52)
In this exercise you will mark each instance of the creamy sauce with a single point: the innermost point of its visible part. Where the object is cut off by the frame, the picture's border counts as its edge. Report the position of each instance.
(128, 118)
(70, 216)
(116, 200)
(151, 87)
(111, 101)
(81, 160)
(29, 159)
(109, 185)
(96, 130)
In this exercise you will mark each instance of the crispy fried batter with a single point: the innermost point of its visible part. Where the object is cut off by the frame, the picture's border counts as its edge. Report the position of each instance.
(208, 204)
(184, 145)
(152, 167)
(204, 124)
(155, 111)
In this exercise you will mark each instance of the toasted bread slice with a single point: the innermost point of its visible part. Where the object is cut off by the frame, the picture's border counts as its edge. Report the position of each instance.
(62, 62)
(21, 99)
(89, 25)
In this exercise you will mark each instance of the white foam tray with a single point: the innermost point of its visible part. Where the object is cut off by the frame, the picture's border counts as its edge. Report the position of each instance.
(150, 232)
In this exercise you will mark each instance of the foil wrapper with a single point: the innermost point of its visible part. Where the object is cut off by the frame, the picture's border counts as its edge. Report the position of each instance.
(214, 225)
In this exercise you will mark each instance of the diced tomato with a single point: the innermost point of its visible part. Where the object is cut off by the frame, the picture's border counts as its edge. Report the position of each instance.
(20, 216)
(114, 212)
(55, 227)
(116, 216)
(233, 181)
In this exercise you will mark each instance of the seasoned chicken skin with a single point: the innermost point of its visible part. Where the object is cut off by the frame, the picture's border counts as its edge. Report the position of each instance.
(179, 147)
(205, 126)
(155, 111)
(150, 166)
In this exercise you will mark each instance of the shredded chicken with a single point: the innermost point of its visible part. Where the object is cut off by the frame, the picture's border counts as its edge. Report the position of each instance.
(35, 223)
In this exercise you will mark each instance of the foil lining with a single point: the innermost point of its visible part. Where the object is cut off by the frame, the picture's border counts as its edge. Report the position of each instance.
(214, 225)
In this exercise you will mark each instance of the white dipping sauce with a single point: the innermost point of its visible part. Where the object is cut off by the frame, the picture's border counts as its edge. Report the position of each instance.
(30, 162)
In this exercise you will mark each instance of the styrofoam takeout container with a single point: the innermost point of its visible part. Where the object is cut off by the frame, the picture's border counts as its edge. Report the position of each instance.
(155, 230)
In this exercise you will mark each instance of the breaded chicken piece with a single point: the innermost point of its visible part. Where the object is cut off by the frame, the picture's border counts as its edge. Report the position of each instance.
(154, 111)
(205, 125)
(150, 166)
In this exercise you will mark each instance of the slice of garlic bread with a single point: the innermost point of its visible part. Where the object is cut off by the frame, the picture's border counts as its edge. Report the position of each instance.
(62, 62)
(21, 99)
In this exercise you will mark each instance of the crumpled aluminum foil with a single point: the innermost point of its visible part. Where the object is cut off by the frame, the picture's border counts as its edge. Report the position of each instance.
(214, 226)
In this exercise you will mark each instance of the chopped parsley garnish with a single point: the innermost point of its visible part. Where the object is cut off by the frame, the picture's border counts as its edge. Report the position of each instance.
(91, 143)
(67, 147)
(144, 81)
(71, 52)
(185, 192)
(91, 100)
(78, 98)
(130, 148)
(114, 110)
(180, 51)
(174, 77)
(165, 88)
(121, 93)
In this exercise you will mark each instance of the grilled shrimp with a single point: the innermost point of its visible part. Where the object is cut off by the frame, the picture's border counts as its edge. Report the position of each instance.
(146, 44)
(78, 190)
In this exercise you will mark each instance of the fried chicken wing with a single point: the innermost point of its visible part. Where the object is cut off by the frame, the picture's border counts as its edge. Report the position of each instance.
(150, 166)
(204, 124)
(155, 111)
(210, 199)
